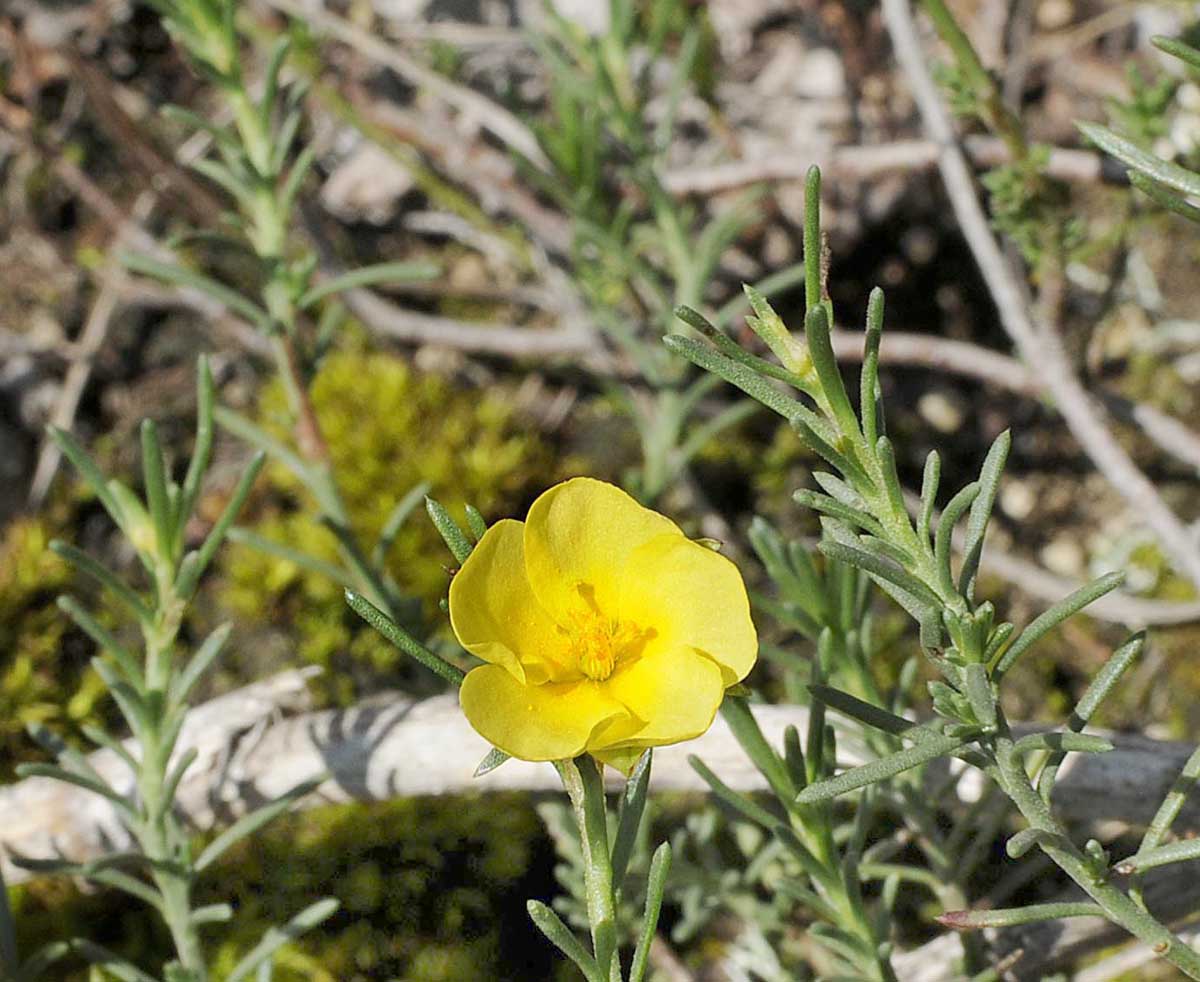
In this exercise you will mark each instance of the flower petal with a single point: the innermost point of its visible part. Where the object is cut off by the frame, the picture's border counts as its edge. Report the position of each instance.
(583, 532)
(690, 596)
(535, 722)
(674, 691)
(494, 613)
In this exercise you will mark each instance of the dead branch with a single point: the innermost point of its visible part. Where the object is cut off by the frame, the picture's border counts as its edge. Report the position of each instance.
(392, 747)
(1041, 349)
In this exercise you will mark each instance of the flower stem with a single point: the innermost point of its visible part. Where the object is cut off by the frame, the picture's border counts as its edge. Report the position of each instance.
(584, 781)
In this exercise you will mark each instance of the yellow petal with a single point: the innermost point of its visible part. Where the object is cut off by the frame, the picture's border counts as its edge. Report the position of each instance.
(582, 532)
(494, 613)
(690, 596)
(535, 722)
(675, 692)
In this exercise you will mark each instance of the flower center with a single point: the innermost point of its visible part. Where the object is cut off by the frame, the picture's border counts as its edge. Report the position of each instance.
(599, 643)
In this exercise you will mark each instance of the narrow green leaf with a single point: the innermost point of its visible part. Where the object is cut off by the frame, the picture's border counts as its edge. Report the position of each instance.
(154, 477)
(656, 885)
(559, 935)
(1172, 803)
(402, 639)
(942, 538)
(742, 804)
(1183, 851)
(813, 246)
(831, 506)
(883, 768)
(101, 574)
(177, 275)
(726, 346)
(251, 822)
(110, 743)
(863, 712)
(456, 540)
(1106, 679)
(745, 729)
(869, 381)
(176, 775)
(1053, 617)
(212, 914)
(260, 439)
(79, 780)
(322, 567)
(370, 276)
(816, 331)
(1178, 48)
(1063, 742)
(1019, 844)
(930, 480)
(981, 510)
(82, 461)
(1133, 156)
(706, 357)
(111, 962)
(882, 568)
(396, 519)
(629, 817)
(492, 759)
(276, 938)
(202, 448)
(1166, 199)
(189, 578)
(206, 654)
(978, 689)
(975, 920)
(125, 661)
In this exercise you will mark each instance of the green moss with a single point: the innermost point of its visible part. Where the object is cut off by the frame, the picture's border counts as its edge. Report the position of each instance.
(389, 428)
(431, 890)
(44, 673)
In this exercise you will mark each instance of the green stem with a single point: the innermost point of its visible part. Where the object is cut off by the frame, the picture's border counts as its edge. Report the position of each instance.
(995, 113)
(584, 781)
(165, 846)
(1118, 906)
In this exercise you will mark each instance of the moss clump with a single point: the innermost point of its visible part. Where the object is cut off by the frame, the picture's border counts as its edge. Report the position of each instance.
(44, 674)
(389, 427)
(427, 887)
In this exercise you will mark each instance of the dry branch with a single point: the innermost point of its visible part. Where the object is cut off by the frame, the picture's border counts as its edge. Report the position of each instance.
(1040, 347)
(392, 747)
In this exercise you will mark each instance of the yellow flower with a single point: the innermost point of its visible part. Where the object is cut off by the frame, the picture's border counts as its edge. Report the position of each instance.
(604, 628)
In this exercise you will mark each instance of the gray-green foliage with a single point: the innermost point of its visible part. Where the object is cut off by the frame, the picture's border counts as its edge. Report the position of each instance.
(1168, 183)
(867, 525)
(638, 250)
(152, 691)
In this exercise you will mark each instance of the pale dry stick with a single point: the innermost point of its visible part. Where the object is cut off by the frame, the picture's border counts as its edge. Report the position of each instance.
(391, 747)
(866, 162)
(974, 361)
(481, 110)
(1117, 607)
(1040, 349)
(95, 329)
(1128, 960)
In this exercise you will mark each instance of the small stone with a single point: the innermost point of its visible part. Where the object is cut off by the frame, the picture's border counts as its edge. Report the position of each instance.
(1017, 499)
(1063, 556)
(942, 410)
(1054, 15)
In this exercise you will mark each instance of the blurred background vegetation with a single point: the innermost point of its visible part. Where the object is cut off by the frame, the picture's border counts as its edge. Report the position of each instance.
(434, 890)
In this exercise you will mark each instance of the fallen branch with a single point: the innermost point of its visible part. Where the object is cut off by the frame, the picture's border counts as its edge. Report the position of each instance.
(1040, 349)
(392, 747)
